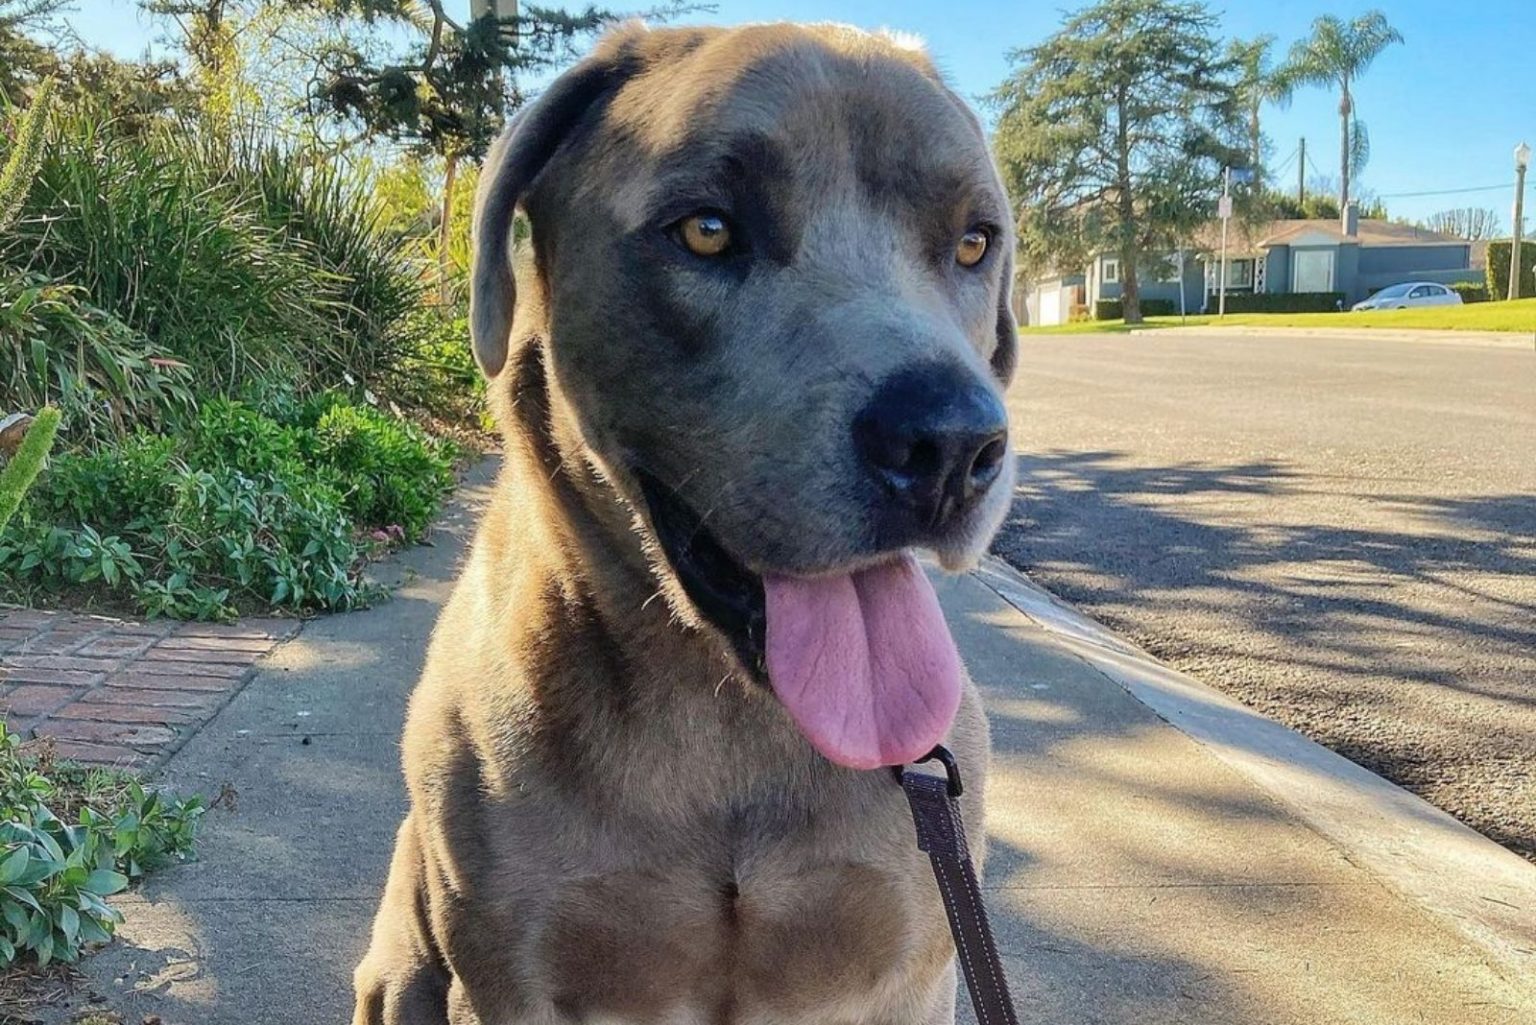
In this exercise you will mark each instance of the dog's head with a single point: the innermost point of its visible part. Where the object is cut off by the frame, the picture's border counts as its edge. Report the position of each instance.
(771, 278)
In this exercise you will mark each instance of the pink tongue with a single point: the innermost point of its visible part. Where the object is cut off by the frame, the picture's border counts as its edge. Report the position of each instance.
(864, 662)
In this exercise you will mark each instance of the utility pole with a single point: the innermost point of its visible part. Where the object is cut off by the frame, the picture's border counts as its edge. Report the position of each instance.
(1301, 174)
(1224, 208)
(1522, 161)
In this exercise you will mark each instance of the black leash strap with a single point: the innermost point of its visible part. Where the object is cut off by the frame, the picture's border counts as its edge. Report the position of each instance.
(941, 834)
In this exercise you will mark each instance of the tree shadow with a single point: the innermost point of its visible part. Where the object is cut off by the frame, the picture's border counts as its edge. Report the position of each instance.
(1405, 640)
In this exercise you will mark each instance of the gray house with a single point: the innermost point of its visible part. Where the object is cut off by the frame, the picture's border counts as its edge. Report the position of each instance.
(1352, 256)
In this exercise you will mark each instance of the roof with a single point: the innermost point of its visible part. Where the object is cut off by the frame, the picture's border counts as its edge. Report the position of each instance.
(1248, 240)
(1371, 233)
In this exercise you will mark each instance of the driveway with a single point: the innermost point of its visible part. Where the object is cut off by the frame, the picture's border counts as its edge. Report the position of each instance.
(1339, 532)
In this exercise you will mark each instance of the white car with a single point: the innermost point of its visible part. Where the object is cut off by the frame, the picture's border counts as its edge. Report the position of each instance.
(1414, 293)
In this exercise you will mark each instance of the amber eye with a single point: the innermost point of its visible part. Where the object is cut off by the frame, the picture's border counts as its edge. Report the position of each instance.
(705, 234)
(972, 247)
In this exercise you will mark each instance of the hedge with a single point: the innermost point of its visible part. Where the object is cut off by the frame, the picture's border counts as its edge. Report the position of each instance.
(1470, 291)
(1284, 302)
(1498, 269)
(1112, 309)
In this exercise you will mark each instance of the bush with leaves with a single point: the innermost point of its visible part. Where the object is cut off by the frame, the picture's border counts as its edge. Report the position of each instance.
(243, 511)
(390, 473)
(55, 875)
(436, 372)
(57, 349)
(245, 262)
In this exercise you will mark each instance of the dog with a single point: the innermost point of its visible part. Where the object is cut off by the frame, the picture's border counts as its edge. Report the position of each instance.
(750, 365)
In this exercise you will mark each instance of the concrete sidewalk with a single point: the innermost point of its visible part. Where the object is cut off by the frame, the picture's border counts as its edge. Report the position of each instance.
(1135, 876)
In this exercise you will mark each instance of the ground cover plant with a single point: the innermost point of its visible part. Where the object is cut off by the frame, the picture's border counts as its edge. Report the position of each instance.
(241, 510)
(70, 838)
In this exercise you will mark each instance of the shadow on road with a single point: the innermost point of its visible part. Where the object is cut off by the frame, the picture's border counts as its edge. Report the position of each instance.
(1403, 637)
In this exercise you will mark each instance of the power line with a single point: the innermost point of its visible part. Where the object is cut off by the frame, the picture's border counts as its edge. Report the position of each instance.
(1277, 171)
(1445, 192)
(1313, 165)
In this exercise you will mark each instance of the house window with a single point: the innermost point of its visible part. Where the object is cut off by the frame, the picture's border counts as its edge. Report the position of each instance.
(1312, 270)
(1240, 274)
(1111, 271)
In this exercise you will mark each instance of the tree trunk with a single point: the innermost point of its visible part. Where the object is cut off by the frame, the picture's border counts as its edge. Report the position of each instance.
(444, 229)
(1345, 109)
(1130, 289)
(1130, 286)
(1255, 143)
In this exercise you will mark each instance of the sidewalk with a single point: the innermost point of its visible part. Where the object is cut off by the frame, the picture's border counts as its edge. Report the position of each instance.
(1134, 875)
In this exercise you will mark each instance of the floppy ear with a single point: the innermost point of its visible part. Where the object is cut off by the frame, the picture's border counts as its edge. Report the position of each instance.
(510, 168)
(1006, 356)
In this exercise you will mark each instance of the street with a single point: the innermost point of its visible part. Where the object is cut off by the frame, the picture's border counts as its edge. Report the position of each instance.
(1340, 532)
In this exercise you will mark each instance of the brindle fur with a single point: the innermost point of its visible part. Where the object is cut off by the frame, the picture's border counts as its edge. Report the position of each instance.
(610, 820)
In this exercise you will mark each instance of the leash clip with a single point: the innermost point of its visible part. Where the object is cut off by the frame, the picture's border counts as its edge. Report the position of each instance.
(943, 756)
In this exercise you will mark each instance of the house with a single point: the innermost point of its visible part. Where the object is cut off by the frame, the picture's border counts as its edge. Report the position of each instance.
(1352, 256)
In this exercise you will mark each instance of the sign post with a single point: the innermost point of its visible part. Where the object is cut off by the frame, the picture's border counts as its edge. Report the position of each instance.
(1224, 211)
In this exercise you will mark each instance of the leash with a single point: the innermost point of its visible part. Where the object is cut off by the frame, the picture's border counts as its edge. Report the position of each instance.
(941, 834)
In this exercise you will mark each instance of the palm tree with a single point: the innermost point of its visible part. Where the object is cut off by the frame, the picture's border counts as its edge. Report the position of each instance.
(1338, 53)
(1257, 83)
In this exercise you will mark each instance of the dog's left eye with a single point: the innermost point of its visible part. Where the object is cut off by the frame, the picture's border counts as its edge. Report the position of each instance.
(706, 233)
(972, 247)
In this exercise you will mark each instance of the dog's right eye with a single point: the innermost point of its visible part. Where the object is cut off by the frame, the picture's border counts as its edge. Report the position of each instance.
(706, 233)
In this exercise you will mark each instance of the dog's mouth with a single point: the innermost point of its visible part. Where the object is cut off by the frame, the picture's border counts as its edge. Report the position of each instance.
(724, 591)
(860, 658)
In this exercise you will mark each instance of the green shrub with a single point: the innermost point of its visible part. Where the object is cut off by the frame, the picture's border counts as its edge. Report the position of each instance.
(1498, 268)
(134, 222)
(230, 435)
(116, 485)
(242, 511)
(367, 287)
(437, 372)
(1284, 302)
(212, 543)
(1114, 309)
(390, 473)
(54, 876)
(243, 261)
(1470, 291)
(56, 349)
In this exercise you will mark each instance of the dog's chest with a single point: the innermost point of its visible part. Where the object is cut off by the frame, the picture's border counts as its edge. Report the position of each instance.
(770, 931)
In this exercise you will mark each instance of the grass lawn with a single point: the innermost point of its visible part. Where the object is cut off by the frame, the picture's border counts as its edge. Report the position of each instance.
(1518, 316)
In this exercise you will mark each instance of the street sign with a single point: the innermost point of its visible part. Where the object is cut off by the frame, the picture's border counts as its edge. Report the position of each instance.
(1224, 207)
(1242, 175)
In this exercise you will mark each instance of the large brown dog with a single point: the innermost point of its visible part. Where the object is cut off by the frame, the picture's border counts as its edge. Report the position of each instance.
(754, 363)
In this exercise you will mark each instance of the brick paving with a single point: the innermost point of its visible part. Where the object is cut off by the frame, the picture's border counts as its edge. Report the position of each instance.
(118, 692)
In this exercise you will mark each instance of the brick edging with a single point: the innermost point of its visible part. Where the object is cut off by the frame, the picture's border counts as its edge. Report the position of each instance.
(120, 692)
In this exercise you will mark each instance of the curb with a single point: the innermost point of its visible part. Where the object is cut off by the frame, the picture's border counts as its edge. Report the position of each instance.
(1497, 339)
(1462, 879)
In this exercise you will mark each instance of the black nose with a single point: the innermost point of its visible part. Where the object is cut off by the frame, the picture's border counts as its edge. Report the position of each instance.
(936, 438)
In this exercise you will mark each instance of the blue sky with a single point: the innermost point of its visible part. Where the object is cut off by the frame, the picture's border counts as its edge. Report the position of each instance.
(1444, 110)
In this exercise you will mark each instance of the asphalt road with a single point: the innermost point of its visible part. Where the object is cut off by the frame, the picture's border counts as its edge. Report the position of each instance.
(1339, 532)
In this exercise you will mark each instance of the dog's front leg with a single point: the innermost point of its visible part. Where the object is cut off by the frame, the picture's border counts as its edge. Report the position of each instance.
(942, 1011)
(401, 980)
